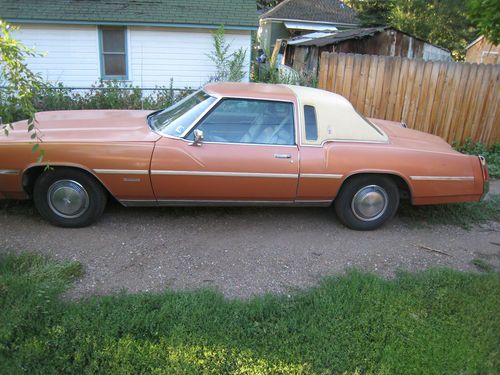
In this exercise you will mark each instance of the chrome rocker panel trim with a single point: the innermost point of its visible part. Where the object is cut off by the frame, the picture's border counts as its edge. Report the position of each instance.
(222, 203)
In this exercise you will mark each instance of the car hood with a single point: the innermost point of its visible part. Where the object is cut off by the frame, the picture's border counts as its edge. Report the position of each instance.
(409, 138)
(87, 126)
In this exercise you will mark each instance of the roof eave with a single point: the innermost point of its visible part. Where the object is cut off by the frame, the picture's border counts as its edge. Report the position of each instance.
(479, 38)
(129, 23)
(309, 21)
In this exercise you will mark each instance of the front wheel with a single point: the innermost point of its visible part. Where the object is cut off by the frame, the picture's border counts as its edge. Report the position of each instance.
(367, 202)
(69, 198)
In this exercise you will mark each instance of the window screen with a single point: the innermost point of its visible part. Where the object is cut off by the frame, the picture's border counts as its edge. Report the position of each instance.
(249, 121)
(113, 52)
(310, 122)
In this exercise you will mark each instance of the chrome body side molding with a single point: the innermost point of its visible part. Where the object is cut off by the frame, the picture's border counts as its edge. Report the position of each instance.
(121, 171)
(9, 171)
(225, 174)
(321, 175)
(442, 178)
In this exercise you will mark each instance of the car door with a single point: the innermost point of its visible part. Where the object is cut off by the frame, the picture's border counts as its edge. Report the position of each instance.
(248, 154)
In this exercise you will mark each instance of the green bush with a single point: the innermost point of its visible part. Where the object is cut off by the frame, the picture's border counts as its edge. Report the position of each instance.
(492, 154)
(432, 322)
(102, 95)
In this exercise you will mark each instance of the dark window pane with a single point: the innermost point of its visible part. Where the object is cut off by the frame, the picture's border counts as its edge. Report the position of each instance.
(113, 40)
(250, 121)
(311, 125)
(114, 65)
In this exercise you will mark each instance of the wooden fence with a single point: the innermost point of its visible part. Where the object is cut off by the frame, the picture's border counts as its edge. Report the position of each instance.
(452, 100)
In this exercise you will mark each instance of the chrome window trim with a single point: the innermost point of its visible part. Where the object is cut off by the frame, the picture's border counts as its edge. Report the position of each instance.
(223, 174)
(199, 118)
(9, 171)
(442, 178)
(122, 171)
(345, 141)
(242, 144)
(322, 175)
(220, 98)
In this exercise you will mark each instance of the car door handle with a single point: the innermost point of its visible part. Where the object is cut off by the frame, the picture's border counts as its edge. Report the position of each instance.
(283, 156)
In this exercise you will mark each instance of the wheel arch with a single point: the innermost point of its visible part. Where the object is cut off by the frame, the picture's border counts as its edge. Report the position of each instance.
(401, 181)
(32, 172)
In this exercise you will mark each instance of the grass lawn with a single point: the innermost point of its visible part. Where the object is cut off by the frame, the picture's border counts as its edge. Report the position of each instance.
(433, 322)
(461, 214)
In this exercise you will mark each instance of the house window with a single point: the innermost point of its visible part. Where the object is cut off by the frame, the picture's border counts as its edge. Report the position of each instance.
(113, 44)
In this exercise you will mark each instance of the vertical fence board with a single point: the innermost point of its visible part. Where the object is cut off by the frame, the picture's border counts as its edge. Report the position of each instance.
(370, 87)
(395, 75)
(453, 100)
(356, 72)
(363, 82)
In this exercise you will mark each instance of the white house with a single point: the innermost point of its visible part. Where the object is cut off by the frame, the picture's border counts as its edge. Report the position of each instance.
(142, 42)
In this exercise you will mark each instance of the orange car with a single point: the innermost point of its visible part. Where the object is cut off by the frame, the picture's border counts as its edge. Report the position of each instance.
(235, 144)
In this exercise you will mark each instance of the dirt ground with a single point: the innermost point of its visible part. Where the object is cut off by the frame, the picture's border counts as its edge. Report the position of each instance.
(239, 251)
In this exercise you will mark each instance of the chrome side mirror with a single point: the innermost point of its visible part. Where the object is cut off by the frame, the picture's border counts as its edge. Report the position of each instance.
(198, 137)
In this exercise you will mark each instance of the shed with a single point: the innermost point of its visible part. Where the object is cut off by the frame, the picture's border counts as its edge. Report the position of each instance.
(303, 52)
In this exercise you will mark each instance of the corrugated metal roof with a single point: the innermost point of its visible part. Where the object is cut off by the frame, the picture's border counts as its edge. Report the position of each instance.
(308, 26)
(341, 36)
(241, 13)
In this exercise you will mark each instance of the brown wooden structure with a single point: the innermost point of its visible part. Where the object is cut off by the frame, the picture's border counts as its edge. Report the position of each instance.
(303, 54)
(482, 51)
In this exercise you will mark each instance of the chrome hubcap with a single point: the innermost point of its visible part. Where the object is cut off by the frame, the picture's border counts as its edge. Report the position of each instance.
(369, 203)
(68, 199)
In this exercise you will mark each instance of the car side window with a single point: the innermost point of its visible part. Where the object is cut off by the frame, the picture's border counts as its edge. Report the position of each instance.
(310, 123)
(249, 121)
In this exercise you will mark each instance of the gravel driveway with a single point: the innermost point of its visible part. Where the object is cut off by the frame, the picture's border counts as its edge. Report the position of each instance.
(239, 251)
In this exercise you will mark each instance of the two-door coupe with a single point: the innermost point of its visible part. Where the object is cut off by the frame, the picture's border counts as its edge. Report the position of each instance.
(235, 144)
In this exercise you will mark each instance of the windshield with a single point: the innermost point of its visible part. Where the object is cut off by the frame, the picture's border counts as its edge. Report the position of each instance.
(175, 119)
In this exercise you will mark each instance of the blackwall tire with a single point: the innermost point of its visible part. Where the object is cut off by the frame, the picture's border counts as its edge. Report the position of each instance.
(69, 198)
(367, 202)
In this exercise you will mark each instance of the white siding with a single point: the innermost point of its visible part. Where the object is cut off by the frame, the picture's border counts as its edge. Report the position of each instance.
(155, 54)
(158, 54)
(71, 52)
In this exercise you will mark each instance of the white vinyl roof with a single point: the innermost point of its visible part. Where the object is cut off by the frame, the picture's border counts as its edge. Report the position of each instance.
(336, 118)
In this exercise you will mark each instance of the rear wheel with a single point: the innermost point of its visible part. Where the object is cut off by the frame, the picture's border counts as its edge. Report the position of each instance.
(367, 202)
(69, 197)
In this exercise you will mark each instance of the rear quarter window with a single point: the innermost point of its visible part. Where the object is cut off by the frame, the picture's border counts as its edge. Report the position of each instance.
(311, 124)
